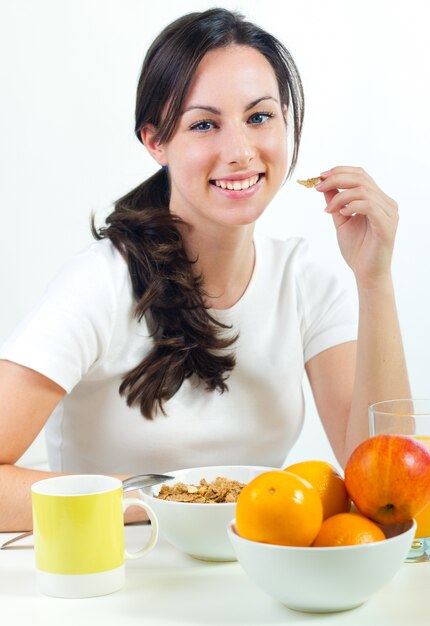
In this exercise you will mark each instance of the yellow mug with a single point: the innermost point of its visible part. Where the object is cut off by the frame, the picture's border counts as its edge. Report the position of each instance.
(78, 527)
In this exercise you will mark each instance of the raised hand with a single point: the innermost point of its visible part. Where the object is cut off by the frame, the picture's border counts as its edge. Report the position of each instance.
(366, 222)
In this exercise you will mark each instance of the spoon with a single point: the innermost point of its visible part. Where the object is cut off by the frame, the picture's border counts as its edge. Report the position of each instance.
(134, 482)
(144, 480)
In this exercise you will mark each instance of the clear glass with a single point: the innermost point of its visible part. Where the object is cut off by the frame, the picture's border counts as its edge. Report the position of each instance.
(412, 418)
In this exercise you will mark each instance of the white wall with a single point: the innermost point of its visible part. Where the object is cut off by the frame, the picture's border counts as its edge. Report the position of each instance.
(68, 72)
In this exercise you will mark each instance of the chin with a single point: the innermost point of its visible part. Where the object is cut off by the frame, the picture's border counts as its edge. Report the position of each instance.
(238, 216)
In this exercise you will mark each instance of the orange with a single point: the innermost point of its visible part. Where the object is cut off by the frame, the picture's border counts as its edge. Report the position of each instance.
(347, 529)
(280, 508)
(328, 482)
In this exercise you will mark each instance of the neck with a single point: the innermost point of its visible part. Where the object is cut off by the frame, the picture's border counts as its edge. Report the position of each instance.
(225, 260)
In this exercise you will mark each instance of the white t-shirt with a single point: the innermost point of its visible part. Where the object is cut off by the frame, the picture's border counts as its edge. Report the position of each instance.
(83, 335)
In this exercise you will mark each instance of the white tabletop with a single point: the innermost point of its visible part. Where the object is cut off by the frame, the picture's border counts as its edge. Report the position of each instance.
(167, 588)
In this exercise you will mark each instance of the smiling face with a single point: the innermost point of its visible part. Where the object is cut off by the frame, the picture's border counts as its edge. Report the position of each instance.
(228, 155)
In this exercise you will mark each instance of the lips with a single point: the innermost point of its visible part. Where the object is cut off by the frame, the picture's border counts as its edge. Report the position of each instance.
(238, 189)
(239, 183)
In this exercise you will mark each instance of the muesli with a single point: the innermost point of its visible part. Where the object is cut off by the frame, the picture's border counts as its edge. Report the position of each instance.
(220, 490)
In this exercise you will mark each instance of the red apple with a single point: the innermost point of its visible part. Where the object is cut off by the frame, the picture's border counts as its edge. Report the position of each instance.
(388, 478)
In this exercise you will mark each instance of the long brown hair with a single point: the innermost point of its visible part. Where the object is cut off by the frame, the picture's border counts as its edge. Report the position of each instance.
(187, 339)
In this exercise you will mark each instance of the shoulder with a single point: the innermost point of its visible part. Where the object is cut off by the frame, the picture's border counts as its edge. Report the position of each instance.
(72, 324)
(98, 266)
(99, 256)
(94, 279)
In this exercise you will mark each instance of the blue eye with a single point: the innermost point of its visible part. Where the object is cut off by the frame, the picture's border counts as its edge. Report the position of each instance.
(261, 117)
(203, 126)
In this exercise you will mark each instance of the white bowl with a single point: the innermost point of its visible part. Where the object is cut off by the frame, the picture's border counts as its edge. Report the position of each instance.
(323, 579)
(200, 530)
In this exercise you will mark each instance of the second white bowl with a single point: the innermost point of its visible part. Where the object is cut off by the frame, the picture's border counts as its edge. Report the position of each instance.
(323, 579)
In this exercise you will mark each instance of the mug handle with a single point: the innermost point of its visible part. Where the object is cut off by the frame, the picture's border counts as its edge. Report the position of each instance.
(154, 527)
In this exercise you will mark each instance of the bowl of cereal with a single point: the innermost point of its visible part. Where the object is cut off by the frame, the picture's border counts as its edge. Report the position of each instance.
(195, 508)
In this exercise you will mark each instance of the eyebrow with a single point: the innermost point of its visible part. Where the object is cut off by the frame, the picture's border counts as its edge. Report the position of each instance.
(249, 106)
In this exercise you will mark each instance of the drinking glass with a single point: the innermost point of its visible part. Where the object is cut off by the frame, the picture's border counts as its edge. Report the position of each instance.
(412, 418)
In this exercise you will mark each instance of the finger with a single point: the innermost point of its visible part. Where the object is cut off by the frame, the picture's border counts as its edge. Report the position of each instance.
(375, 214)
(339, 219)
(344, 169)
(346, 181)
(343, 198)
(329, 195)
(357, 206)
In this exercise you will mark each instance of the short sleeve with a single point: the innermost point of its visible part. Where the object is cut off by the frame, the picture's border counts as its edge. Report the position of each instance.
(327, 315)
(69, 329)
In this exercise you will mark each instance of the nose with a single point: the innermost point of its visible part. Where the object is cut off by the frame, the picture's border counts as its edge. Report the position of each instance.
(238, 147)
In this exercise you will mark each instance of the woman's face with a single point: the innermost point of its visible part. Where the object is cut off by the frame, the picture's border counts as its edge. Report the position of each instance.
(228, 155)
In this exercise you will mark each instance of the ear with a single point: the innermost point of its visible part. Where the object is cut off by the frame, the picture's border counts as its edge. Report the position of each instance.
(155, 148)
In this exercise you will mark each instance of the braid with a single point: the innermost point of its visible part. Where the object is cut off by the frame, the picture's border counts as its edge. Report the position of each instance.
(187, 339)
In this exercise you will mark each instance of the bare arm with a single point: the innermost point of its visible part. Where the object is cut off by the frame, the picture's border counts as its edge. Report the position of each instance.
(366, 221)
(27, 399)
(347, 378)
(381, 372)
(331, 376)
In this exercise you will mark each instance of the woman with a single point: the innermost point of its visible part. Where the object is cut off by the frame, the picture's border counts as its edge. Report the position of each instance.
(180, 338)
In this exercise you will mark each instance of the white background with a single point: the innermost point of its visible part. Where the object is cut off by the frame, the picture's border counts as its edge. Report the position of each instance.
(68, 74)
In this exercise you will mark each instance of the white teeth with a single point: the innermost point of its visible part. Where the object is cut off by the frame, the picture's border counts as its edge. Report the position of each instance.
(237, 185)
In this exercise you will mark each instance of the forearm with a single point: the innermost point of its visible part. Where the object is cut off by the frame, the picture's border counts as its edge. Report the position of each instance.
(15, 498)
(381, 372)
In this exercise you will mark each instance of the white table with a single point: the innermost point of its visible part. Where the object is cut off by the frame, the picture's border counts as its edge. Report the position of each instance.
(168, 588)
